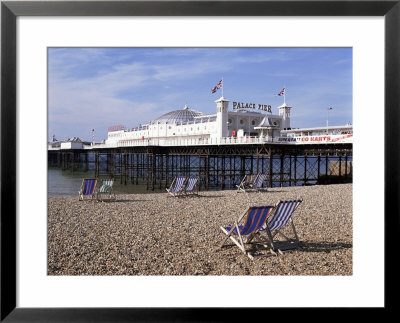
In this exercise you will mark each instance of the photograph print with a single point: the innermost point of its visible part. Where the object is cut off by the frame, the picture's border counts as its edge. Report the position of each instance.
(205, 161)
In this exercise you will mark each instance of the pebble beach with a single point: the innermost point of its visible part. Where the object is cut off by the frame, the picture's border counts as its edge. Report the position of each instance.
(157, 234)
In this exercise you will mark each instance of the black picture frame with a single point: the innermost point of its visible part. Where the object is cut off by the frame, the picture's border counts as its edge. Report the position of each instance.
(10, 10)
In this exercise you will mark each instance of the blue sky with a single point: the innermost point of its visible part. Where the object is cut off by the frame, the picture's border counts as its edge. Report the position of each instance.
(93, 88)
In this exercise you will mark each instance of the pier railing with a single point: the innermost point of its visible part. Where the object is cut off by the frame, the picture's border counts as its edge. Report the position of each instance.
(188, 142)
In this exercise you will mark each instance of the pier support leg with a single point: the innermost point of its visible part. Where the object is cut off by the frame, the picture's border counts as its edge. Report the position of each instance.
(281, 177)
(96, 165)
(153, 171)
(270, 169)
(242, 166)
(257, 159)
(223, 172)
(326, 166)
(207, 179)
(86, 162)
(161, 168)
(166, 170)
(147, 171)
(305, 170)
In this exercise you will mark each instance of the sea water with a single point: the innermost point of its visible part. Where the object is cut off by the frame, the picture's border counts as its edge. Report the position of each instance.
(67, 183)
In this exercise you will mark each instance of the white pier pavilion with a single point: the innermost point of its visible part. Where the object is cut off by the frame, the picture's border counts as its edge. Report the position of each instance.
(244, 124)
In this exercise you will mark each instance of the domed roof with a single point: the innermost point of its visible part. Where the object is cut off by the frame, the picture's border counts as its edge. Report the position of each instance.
(178, 116)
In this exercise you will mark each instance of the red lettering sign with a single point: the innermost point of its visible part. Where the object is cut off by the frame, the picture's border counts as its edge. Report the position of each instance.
(118, 127)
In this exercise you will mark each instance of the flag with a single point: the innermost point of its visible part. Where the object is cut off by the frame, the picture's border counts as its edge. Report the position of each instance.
(218, 86)
(281, 92)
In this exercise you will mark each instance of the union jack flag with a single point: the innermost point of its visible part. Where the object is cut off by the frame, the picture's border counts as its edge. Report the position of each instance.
(218, 86)
(281, 92)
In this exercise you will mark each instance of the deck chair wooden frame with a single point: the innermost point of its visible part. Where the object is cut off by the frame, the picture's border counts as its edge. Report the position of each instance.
(106, 188)
(192, 186)
(283, 214)
(88, 188)
(255, 219)
(247, 182)
(177, 186)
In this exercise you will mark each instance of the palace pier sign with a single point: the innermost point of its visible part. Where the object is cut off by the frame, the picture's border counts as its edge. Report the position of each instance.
(241, 105)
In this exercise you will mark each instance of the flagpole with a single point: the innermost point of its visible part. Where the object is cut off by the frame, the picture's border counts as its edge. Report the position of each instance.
(222, 86)
(284, 95)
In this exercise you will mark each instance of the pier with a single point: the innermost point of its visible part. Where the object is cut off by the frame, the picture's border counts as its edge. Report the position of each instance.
(219, 166)
(220, 148)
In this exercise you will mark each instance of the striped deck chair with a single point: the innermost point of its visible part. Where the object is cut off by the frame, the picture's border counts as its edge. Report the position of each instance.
(177, 186)
(261, 178)
(247, 183)
(282, 216)
(106, 188)
(256, 217)
(88, 187)
(192, 186)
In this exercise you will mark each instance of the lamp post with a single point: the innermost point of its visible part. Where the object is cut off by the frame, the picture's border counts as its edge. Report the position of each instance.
(327, 117)
(92, 136)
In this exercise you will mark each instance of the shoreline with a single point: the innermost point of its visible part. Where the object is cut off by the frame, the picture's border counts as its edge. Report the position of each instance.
(157, 234)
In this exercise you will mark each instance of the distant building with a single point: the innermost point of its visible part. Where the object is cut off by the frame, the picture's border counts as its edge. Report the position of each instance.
(71, 143)
(54, 143)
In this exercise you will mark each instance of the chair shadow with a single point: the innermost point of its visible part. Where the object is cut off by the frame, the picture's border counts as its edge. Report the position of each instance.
(265, 191)
(204, 196)
(119, 201)
(326, 247)
(323, 246)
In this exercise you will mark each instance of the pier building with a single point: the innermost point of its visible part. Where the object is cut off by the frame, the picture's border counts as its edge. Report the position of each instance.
(249, 120)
